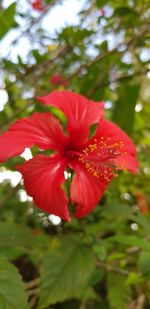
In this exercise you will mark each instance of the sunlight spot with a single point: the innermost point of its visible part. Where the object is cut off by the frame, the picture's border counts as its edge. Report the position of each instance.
(126, 196)
(3, 98)
(23, 196)
(108, 104)
(54, 219)
(67, 175)
(13, 177)
(30, 211)
(144, 55)
(134, 226)
(27, 155)
(138, 107)
(146, 170)
(148, 75)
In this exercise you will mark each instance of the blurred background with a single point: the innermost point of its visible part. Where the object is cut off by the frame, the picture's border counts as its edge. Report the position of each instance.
(100, 49)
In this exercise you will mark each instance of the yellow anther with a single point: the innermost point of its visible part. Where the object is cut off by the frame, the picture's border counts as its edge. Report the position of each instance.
(92, 147)
(100, 158)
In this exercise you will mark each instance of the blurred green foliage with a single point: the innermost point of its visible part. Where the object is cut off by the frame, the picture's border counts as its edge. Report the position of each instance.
(103, 260)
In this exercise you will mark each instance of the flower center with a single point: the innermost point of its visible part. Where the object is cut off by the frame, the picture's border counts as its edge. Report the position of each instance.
(100, 158)
(72, 154)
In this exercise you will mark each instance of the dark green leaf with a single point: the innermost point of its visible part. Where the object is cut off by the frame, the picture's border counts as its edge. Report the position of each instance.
(12, 293)
(12, 234)
(124, 110)
(66, 270)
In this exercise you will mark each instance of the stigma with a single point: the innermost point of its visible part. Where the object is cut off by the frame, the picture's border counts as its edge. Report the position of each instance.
(100, 158)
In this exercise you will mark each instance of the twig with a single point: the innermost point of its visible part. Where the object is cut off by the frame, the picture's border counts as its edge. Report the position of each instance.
(30, 25)
(31, 284)
(38, 70)
(33, 302)
(84, 66)
(119, 79)
(109, 267)
(33, 292)
(138, 303)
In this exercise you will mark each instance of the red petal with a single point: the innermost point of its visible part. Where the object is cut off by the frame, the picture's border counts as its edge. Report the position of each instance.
(109, 129)
(86, 190)
(80, 111)
(43, 177)
(38, 5)
(130, 163)
(113, 138)
(41, 129)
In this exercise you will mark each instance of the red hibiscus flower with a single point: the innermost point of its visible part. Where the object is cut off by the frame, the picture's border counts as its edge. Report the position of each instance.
(57, 79)
(95, 161)
(37, 5)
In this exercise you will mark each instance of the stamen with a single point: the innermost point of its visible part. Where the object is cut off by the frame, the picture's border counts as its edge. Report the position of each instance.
(100, 158)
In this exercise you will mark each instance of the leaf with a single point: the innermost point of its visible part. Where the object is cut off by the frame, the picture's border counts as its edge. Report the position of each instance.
(101, 3)
(124, 10)
(142, 221)
(118, 292)
(117, 210)
(131, 240)
(12, 293)
(100, 249)
(144, 262)
(124, 109)
(133, 278)
(58, 114)
(66, 270)
(16, 235)
(87, 294)
(7, 19)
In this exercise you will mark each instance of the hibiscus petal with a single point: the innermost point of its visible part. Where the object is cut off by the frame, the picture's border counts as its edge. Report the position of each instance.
(112, 134)
(129, 162)
(80, 111)
(86, 190)
(41, 129)
(108, 129)
(43, 177)
(107, 152)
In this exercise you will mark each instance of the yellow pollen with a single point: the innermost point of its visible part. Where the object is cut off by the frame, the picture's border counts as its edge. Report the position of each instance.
(93, 147)
(100, 158)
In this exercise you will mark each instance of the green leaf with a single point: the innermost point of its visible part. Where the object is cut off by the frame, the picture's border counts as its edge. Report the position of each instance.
(101, 3)
(133, 278)
(142, 221)
(131, 240)
(115, 209)
(124, 109)
(58, 114)
(12, 293)
(16, 235)
(66, 270)
(7, 19)
(123, 10)
(100, 249)
(118, 292)
(93, 128)
(144, 262)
